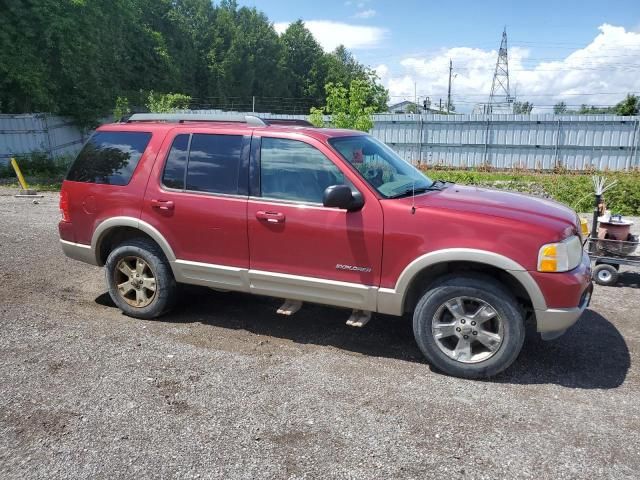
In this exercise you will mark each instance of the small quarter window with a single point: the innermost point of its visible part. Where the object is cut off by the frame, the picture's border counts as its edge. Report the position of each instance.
(109, 158)
(294, 170)
(214, 162)
(174, 168)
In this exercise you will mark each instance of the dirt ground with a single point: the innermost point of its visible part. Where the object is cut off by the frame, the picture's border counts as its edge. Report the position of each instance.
(225, 388)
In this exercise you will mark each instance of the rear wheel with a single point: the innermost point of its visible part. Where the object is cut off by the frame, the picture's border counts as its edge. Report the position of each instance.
(139, 279)
(605, 274)
(469, 327)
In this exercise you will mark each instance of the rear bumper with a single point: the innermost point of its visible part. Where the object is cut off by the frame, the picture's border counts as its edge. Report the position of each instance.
(79, 251)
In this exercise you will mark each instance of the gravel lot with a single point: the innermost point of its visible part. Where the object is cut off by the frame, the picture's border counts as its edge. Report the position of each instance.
(226, 388)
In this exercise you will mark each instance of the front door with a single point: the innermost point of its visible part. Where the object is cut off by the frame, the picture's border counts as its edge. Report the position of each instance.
(294, 240)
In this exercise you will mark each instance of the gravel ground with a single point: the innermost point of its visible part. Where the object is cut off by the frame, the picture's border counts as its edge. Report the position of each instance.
(226, 388)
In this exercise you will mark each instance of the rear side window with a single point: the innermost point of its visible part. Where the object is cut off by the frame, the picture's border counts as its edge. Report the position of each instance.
(214, 161)
(109, 158)
(174, 169)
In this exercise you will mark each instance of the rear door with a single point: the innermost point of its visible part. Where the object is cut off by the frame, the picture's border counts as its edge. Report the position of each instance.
(197, 198)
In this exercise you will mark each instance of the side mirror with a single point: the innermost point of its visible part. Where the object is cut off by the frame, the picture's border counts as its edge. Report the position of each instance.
(341, 196)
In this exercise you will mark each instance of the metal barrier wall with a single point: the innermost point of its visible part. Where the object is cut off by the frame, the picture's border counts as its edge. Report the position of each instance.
(603, 142)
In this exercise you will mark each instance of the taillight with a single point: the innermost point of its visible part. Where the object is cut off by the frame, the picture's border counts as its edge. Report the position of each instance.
(64, 206)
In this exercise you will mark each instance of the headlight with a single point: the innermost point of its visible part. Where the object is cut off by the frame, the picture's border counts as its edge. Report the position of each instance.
(560, 257)
(584, 228)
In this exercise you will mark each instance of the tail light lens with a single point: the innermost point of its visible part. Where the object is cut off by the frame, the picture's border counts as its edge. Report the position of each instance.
(64, 206)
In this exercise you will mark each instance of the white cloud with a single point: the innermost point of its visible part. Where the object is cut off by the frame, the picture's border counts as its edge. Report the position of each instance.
(369, 13)
(330, 34)
(609, 64)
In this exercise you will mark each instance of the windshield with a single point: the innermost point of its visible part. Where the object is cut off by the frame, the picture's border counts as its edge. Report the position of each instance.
(380, 166)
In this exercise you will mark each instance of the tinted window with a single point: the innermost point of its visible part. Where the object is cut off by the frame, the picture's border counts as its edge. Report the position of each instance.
(214, 161)
(293, 170)
(109, 157)
(174, 168)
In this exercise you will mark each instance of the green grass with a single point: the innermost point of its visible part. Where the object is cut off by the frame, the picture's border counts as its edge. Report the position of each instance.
(571, 188)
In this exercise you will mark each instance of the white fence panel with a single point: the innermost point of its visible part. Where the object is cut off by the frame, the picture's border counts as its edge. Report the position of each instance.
(604, 142)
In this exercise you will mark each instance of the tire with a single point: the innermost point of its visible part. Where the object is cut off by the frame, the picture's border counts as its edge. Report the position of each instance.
(440, 330)
(140, 280)
(605, 274)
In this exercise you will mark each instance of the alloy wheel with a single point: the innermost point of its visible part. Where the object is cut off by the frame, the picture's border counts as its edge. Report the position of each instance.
(467, 329)
(135, 281)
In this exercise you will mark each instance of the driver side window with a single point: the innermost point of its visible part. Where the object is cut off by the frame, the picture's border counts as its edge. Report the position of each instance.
(296, 171)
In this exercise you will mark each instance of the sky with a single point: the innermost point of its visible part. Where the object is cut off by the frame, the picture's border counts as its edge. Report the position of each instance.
(579, 52)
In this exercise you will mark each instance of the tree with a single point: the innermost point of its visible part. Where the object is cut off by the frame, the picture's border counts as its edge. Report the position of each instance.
(77, 57)
(522, 108)
(560, 108)
(593, 110)
(121, 109)
(629, 106)
(303, 62)
(348, 107)
(167, 103)
(411, 108)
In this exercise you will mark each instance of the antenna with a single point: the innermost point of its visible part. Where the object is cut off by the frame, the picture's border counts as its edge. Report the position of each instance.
(500, 99)
(413, 197)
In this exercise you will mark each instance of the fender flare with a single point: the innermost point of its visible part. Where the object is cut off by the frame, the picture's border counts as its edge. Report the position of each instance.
(104, 227)
(391, 300)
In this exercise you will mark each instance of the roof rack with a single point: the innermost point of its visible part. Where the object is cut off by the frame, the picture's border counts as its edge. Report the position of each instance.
(251, 120)
(289, 121)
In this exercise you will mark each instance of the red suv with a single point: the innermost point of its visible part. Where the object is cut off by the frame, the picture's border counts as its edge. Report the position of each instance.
(325, 216)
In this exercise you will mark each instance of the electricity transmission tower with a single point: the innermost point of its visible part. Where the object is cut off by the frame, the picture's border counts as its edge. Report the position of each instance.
(500, 100)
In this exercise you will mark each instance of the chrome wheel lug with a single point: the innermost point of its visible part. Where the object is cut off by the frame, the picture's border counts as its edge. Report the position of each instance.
(475, 333)
(466, 337)
(463, 321)
(473, 324)
(458, 329)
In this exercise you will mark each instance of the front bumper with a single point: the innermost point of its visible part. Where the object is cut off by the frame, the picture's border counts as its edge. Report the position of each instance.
(553, 322)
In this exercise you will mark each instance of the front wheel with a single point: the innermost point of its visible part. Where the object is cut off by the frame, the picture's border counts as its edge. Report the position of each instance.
(469, 327)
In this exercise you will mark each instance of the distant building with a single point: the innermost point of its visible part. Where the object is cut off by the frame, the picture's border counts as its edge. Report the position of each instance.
(408, 106)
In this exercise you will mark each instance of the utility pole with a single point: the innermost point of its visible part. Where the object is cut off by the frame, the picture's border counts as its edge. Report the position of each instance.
(415, 94)
(449, 94)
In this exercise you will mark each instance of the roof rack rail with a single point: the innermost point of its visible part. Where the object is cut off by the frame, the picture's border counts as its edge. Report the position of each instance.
(289, 121)
(251, 120)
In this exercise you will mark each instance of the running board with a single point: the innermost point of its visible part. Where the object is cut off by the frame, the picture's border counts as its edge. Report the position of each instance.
(289, 307)
(359, 318)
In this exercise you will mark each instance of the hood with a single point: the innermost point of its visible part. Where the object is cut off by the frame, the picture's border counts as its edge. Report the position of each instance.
(499, 203)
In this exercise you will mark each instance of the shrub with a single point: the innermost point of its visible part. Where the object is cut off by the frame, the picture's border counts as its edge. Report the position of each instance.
(38, 164)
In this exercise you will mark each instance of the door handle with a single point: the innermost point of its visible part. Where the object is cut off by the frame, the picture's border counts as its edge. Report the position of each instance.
(162, 204)
(270, 217)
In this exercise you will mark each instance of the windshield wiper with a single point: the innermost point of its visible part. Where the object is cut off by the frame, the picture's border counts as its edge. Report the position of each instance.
(436, 185)
(411, 191)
